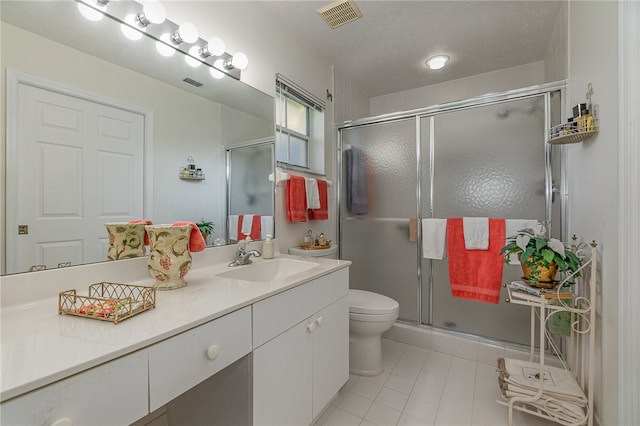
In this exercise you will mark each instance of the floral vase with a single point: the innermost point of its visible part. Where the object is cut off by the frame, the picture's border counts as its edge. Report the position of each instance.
(169, 255)
(126, 240)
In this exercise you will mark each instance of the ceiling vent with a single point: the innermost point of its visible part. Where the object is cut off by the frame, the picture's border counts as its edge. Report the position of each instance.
(192, 82)
(339, 13)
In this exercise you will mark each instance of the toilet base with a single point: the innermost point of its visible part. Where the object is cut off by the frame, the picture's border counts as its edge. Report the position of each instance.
(365, 355)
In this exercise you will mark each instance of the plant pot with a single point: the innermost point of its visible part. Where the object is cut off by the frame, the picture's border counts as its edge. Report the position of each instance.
(539, 275)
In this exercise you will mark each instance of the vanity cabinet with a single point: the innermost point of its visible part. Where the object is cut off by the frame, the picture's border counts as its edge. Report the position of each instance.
(301, 350)
(181, 362)
(113, 393)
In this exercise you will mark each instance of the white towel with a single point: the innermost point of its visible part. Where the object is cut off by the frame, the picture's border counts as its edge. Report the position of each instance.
(476, 233)
(512, 226)
(266, 226)
(434, 232)
(313, 195)
(233, 227)
(247, 224)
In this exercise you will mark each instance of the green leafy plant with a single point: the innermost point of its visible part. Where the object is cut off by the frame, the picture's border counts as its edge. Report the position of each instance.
(538, 250)
(206, 227)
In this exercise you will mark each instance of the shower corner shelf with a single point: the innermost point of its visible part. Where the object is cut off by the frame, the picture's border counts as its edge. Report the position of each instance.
(563, 134)
(561, 394)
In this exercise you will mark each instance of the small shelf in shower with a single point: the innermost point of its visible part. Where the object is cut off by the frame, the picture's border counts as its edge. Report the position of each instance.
(565, 134)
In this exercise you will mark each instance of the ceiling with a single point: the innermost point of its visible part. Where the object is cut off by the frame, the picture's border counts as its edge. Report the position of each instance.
(385, 50)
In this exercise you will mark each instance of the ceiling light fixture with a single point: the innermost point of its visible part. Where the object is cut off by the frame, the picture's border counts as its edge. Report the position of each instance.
(163, 46)
(190, 59)
(215, 70)
(92, 10)
(437, 62)
(128, 29)
(153, 12)
(239, 61)
(186, 33)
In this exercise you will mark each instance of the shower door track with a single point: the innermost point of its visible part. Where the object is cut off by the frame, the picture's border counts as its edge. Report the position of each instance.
(430, 112)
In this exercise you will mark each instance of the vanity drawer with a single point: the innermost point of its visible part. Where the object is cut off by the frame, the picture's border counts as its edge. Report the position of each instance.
(109, 394)
(278, 313)
(181, 362)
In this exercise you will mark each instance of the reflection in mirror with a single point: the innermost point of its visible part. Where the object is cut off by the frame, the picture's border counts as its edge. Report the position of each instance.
(90, 68)
(251, 196)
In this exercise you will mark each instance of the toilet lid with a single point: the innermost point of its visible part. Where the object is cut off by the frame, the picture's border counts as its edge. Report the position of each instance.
(366, 302)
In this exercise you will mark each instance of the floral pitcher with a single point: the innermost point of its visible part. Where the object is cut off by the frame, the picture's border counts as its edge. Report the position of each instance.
(169, 256)
(126, 240)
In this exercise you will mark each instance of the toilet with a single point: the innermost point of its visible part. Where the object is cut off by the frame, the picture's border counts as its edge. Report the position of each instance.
(370, 315)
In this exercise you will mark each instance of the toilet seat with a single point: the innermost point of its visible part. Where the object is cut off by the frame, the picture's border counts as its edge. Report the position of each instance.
(371, 304)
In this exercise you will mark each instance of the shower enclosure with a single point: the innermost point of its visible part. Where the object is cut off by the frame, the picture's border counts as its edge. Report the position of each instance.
(486, 157)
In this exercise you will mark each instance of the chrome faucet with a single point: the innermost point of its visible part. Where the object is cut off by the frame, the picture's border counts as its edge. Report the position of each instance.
(242, 255)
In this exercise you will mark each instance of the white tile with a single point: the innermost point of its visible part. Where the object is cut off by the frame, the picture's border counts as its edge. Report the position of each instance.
(516, 354)
(392, 399)
(457, 394)
(421, 410)
(442, 343)
(433, 376)
(438, 359)
(366, 423)
(462, 371)
(400, 384)
(486, 377)
(392, 349)
(354, 403)
(407, 420)
(340, 417)
(428, 392)
(388, 364)
(347, 386)
(460, 416)
(324, 415)
(488, 354)
(369, 387)
(415, 356)
(405, 370)
(465, 348)
(381, 415)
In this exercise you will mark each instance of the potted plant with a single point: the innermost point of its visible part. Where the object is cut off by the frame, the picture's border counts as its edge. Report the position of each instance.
(541, 257)
(206, 228)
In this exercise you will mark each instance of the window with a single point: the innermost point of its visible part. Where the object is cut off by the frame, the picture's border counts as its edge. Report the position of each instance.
(299, 126)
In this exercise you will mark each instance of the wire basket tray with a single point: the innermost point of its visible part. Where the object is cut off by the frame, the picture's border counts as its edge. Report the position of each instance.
(108, 301)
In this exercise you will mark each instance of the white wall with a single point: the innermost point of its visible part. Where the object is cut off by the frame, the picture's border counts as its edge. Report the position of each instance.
(556, 58)
(463, 88)
(593, 175)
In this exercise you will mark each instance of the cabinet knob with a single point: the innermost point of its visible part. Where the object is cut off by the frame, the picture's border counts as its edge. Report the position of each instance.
(65, 421)
(319, 321)
(212, 352)
(311, 326)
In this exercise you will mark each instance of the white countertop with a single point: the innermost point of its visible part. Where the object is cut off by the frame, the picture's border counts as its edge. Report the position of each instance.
(40, 347)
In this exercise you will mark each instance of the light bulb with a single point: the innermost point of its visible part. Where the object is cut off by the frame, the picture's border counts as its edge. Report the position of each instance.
(129, 32)
(90, 13)
(240, 61)
(164, 48)
(187, 33)
(215, 46)
(217, 74)
(190, 59)
(437, 62)
(154, 11)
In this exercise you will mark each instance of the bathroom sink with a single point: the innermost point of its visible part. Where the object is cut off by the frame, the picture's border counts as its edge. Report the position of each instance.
(268, 270)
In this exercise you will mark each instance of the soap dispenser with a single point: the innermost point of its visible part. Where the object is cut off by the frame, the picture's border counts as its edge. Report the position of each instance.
(267, 248)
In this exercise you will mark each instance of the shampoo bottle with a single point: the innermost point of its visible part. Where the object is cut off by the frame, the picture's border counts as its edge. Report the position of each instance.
(267, 248)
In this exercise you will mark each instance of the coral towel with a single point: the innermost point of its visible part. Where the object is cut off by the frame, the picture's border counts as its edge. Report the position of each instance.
(146, 222)
(296, 199)
(321, 213)
(475, 274)
(196, 241)
(255, 223)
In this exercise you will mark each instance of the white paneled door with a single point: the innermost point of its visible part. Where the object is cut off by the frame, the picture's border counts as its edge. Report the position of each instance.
(79, 164)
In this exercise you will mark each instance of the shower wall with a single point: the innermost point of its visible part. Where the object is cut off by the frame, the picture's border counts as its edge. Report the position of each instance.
(481, 160)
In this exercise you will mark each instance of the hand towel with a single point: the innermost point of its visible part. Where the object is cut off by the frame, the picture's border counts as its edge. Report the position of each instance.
(146, 222)
(233, 227)
(296, 199)
(313, 196)
(254, 222)
(247, 224)
(322, 212)
(434, 233)
(196, 240)
(357, 193)
(475, 274)
(476, 233)
(266, 226)
(512, 226)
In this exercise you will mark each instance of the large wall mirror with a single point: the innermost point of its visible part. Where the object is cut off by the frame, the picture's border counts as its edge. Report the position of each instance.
(53, 62)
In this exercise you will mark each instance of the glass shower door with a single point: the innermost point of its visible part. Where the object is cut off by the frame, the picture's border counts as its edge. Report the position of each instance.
(379, 242)
(488, 161)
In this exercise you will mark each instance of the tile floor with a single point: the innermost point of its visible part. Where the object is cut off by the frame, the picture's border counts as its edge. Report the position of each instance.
(422, 387)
